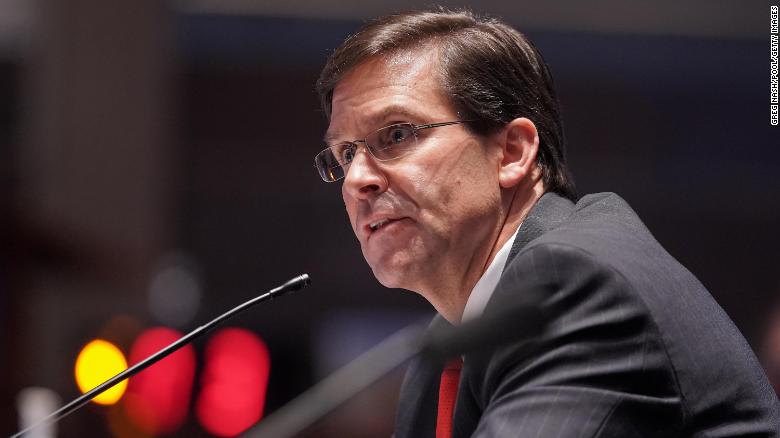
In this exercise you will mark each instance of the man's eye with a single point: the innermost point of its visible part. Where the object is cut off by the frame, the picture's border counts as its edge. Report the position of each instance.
(399, 134)
(346, 153)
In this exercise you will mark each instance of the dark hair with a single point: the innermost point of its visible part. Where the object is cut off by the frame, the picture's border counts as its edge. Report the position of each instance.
(491, 72)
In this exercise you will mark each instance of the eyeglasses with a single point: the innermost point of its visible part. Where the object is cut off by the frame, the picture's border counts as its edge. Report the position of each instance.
(385, 144)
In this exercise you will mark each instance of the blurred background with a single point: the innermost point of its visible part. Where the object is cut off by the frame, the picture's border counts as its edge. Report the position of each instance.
(157, 169)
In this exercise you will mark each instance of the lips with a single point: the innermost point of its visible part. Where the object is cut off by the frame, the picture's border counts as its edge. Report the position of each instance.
(377, 223)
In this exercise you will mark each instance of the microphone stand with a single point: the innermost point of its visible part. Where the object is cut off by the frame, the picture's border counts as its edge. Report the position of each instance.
(324, 397)
(294, 284)
(518, 321)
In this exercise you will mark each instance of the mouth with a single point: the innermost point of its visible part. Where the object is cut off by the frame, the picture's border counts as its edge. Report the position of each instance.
(378, 224)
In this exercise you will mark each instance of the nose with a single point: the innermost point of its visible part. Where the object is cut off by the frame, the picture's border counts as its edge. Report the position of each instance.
(364, 178)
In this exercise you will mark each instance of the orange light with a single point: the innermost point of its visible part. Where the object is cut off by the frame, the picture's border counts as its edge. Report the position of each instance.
(97, 362)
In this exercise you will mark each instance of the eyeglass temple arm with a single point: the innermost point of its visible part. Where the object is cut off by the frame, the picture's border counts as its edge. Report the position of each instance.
(436, 125)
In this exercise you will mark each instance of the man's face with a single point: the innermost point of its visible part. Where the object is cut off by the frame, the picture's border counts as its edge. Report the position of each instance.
(441, 202)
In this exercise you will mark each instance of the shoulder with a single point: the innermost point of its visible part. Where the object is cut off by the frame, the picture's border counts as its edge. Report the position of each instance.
(601, 221)
(600, 234)
(588, 256)
(598, 352)
(610, 293)
(573, 288)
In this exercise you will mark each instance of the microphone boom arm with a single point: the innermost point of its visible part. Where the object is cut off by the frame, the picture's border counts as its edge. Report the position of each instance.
(294, 284)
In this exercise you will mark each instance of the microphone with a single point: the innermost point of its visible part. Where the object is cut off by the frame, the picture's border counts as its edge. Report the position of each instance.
(322, 398)
(518, 321)
(294, 284)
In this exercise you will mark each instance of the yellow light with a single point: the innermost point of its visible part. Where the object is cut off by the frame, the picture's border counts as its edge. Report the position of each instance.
(99, 361)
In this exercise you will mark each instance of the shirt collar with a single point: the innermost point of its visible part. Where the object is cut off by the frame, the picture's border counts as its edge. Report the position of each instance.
(483, 290)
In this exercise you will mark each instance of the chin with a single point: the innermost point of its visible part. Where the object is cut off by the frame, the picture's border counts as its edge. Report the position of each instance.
(393, 275)
(400, 269)
(388, 278)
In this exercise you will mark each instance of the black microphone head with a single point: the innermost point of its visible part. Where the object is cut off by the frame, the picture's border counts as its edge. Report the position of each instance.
(296, 283)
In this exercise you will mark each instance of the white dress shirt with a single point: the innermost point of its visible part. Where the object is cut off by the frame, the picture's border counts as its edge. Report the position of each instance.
(483, 290)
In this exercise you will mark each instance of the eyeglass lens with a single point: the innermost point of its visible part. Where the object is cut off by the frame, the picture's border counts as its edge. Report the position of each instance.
(388, 143)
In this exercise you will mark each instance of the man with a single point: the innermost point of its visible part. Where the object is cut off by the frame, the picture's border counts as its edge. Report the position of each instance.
(446, 132)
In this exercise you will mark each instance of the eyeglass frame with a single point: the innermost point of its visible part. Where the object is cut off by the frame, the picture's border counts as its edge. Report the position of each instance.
(369, 148)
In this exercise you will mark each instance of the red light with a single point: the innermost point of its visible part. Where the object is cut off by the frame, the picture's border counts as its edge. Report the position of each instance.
(158, 397)
(234, 382)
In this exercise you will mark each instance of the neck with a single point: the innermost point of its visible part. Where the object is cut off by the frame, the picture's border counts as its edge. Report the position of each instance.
(450, 300)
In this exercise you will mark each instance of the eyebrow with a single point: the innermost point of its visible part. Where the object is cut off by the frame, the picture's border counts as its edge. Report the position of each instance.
(381, 118)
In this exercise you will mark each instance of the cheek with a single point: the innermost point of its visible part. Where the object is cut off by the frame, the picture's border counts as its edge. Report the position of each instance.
(351, 206)
(454, 194)
(464, 182)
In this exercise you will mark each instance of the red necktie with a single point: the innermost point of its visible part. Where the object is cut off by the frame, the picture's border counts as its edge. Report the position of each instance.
(448, 392)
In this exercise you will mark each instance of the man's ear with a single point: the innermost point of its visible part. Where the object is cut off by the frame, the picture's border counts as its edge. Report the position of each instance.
(520, 144)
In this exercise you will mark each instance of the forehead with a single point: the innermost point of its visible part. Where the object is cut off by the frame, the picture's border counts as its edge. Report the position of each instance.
(384, 90)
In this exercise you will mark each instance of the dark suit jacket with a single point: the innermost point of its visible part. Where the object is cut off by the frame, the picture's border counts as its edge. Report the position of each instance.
(633, 344)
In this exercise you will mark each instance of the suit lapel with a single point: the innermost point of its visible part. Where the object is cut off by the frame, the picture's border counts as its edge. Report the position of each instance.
(550, 210)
